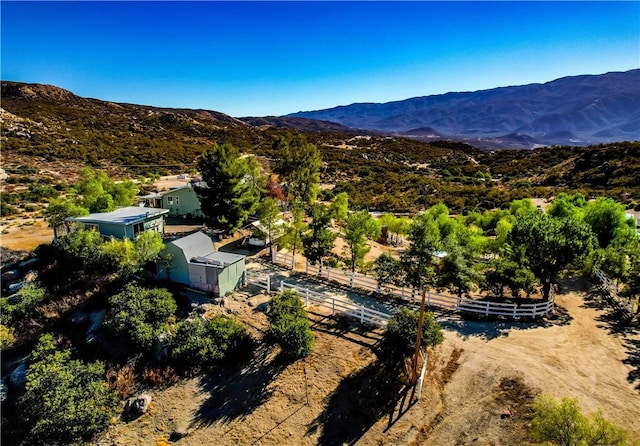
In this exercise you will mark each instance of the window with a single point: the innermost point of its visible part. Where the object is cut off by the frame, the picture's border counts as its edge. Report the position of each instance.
(170, 201)
(177, 201)
(138, 228)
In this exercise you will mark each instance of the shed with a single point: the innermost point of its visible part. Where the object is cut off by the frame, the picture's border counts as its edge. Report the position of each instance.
(196, 263)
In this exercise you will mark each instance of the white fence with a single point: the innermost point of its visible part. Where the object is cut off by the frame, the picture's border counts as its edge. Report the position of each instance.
(263, 282)
(338, 306)
(448, 302)
(612, 291)
(310, 297)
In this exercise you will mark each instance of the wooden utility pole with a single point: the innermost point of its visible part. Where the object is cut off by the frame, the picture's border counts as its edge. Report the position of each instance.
(414, 375)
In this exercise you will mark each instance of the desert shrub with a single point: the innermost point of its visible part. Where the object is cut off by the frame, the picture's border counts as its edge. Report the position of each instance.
(200, 342)
(140, 315)
(65, 400)
(6, 337)
(289, 325)
(22, 305)
(399, 339)
(563, 423)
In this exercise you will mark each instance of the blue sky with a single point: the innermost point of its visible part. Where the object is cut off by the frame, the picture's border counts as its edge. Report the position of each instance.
(274, 58)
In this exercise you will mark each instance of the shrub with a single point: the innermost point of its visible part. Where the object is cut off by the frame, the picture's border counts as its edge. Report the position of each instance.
(27, 300)
(289, 325)
(65, 400)
(200, 342)
(399, 339)
(563, 423)
(140, 315)
(6, 337)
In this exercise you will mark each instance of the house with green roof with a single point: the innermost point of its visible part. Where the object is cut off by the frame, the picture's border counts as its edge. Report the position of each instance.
(196, 263)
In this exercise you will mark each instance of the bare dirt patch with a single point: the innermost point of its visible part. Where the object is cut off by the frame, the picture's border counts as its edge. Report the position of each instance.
(24, 234)
(339, 394)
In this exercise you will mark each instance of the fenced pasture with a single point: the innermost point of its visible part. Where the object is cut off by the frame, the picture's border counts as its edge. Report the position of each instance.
(487, 308)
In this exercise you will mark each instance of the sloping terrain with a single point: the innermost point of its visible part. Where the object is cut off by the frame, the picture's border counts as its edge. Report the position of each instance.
(339, 396)
(572, 110)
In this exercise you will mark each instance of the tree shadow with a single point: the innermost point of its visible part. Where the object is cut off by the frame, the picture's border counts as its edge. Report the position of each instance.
(621, 323)
(346, 328)
(467, 325)
(236, 391)
(359, 401)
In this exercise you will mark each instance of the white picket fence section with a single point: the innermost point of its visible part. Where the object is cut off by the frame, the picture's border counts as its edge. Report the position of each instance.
(338, 306)
(624, 303)
(263, 282)
(447, 302)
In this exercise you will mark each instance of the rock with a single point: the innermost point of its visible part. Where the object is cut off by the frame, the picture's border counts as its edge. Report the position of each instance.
(178, 434)
(505, 414)
(138, 405)
(19, 376)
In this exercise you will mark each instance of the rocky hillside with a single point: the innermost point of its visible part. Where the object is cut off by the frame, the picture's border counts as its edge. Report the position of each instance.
(48, 133)
(577, 110)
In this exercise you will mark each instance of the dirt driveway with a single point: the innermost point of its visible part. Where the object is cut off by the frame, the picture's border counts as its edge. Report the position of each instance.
(336, 396)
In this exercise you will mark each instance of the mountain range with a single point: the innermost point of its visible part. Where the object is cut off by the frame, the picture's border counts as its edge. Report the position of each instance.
(575, 110)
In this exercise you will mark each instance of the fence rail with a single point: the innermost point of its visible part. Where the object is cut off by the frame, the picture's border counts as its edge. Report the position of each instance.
(338, 306)
(448, 302)
(612, 292)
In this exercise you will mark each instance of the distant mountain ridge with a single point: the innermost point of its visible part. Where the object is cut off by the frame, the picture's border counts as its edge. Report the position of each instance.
(575, 110)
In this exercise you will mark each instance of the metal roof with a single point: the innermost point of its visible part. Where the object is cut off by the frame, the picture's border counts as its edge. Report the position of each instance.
(123, 216)
(197, 244)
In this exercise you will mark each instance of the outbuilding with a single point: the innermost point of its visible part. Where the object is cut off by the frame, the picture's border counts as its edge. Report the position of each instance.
(196, 263)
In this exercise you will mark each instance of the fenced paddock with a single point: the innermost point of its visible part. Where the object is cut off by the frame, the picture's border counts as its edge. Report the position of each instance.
(337, 306)
(477, 307)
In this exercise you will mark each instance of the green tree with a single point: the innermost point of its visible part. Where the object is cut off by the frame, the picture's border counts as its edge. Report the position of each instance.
(563, 423)
(65, 400)
(99, 193)
(359, 227)
(550, 245)
(339, 207)
(58, 210)
(289, 325)
(299, 164)
(399, 339)
(459, 269)
(387, 269)
(606, 219)
(318, 241)
(140, 315)
(232, 187)
(417, 261)
(201, 342)
(269, 212)
(80, 250)
(292, 237)
(567, 206)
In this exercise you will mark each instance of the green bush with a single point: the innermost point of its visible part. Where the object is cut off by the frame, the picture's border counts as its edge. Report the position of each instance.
(27, 300)
(290, 327)
(399, 339)
(6, 337)
(140, 315)
(200, 342)
(65, 400)
(563, 423)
